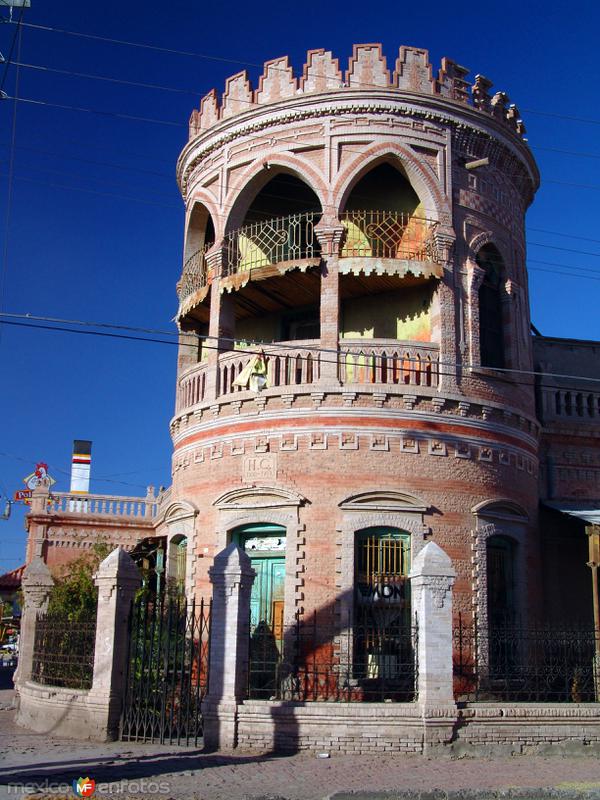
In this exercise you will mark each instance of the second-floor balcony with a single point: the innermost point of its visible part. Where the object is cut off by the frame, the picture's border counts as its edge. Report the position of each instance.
(360, 364)
(392, 241)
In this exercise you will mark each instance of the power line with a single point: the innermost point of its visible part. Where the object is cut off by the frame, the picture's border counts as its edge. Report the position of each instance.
(222, 59)
(178, 90)
(25, 320)
(98, 193)
(11, 162)
(565, 266)
(564, 249)
(116, 114)
(87, 75)
(564, 235)
(559, 272)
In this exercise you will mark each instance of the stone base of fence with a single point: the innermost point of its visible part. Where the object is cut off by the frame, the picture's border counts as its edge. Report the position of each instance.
(532, 728)
(73, 713)
(492, 729)
(289, 726)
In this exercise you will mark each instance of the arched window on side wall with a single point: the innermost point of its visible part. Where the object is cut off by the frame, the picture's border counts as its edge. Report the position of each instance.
(491, 328)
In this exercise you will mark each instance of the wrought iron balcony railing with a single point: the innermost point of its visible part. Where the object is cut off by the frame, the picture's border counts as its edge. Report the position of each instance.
(388, 234)
(195, 274)
(274, 241)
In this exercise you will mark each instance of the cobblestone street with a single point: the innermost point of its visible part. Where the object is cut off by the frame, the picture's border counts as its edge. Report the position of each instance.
(181, 773)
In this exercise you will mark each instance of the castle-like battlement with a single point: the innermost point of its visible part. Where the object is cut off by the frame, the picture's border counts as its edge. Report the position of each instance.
(367, 69)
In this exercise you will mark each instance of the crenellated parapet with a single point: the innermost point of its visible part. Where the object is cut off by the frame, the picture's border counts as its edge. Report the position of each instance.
(367, 69)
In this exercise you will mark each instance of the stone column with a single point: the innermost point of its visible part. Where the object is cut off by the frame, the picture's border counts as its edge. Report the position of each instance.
(221, 326)
(36, 584)
(431, 580)
(329, 234)
(232, 577)
(444, 238)
(117, 580)
(37, 521)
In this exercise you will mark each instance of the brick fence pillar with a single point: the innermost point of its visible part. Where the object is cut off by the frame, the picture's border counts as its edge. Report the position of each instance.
(431, 579)
(232, 577)
(117, 580)
(36, 584)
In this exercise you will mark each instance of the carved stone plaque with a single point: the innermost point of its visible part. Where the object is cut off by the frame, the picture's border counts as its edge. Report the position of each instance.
(259, 467)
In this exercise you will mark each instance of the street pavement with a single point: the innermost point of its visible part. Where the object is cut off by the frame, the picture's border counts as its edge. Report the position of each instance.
(179, 773)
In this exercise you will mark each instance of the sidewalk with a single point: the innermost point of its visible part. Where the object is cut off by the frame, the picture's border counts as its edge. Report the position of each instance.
(181, 773)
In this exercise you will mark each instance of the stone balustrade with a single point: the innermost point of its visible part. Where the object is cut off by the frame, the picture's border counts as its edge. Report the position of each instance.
(564, 404)
(288, 364)
(102, 505)
(191, 389)
(360, 362)
(388, 362)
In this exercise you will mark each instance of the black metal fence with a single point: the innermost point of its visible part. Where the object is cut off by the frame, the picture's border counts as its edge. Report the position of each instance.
(517, 663)
(168, 670)
(365, 658)
(63, 651)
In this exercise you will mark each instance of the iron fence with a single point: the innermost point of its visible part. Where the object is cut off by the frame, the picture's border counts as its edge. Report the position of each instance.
(168, 670)
(272, 242)
(195, 274)
(388, 234)
(516, 663)
(63, 651)
(369, 658)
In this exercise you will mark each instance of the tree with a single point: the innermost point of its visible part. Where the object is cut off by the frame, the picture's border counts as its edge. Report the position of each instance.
(74, 595)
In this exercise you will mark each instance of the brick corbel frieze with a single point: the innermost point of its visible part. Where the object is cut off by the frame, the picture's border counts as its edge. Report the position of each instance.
(330, 234)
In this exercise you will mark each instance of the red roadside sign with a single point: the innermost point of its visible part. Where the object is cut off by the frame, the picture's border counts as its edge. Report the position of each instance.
(22, 494)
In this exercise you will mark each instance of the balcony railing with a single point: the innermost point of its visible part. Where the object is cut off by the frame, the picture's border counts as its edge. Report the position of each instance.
(388, 362)
(195, 274)
(192, 388)
(569, 404)
(102, 505)
(297, 365)
(388, 234)
(361, 362)
(274, 241)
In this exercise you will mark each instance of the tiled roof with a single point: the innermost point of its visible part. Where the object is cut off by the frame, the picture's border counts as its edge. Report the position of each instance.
(12, 580)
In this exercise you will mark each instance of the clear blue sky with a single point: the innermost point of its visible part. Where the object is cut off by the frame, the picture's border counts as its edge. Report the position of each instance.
(113, 252)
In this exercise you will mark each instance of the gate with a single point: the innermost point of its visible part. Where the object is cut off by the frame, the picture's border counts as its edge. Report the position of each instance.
(167, 675)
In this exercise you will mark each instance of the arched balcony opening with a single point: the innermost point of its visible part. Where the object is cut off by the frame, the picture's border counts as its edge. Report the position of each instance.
(384, 217)
(491, 322)
(193, 288)
(388, 264)
(272, 270)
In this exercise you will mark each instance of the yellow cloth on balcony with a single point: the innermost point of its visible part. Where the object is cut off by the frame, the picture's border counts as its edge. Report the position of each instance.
(254, 375)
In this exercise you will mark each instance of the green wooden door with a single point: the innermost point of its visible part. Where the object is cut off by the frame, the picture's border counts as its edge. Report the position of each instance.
(265, 544)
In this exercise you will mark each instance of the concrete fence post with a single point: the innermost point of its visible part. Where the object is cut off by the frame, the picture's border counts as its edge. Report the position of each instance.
(117, 580)
(36, 584)
(431, 579)
(232, 577)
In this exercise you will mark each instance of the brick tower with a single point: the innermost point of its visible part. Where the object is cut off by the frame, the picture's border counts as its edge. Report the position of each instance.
(354, 317)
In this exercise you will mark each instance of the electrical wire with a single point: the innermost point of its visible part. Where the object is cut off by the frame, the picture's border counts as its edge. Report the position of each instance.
(29, 320)
(11, 165)
(221, 59)
(116, 114)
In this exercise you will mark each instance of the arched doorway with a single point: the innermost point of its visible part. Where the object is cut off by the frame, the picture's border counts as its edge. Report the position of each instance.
(265, 545)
